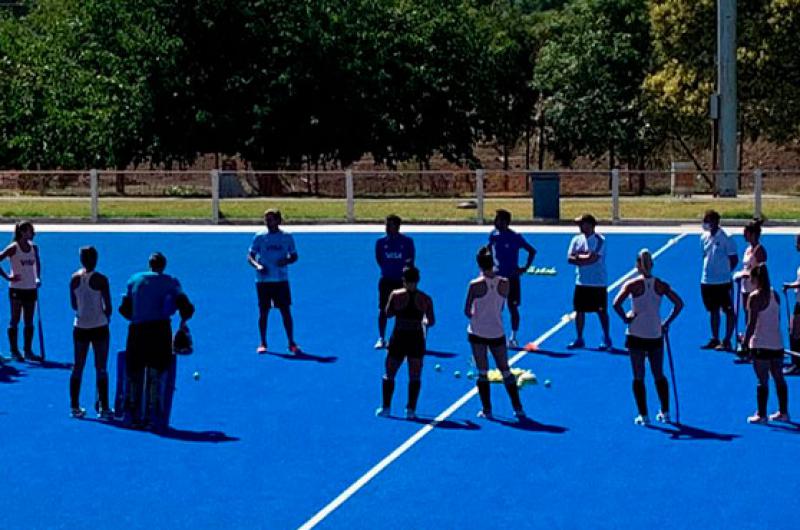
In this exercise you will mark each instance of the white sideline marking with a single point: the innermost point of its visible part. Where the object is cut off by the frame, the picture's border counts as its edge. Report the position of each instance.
(405, 446)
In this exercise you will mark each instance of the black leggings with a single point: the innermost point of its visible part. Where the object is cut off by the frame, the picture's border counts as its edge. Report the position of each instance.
(98, 339)
(763, 368)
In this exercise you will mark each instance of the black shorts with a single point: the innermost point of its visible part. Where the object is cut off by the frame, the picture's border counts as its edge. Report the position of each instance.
(717, 296)
(90, 335)
(273, 294)
(408, 343)
(514, 291)
(23, 295)
(590, 299)
(149, 345)
(766, 355)
(476, 339)
(635, 343)
(385, 288)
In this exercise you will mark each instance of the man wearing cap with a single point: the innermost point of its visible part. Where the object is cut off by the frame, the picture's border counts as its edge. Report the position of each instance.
(150, 300)
(719, 261)
(587, 251)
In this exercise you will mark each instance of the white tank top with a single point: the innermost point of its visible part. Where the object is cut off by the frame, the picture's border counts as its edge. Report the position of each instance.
(23, 266)
(90, 313)
(487, 311)
(748, 262)
(767, 335)
(647, 308)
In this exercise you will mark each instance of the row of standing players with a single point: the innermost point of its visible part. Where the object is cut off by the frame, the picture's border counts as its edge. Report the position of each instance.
(498, 285)
(149, 301)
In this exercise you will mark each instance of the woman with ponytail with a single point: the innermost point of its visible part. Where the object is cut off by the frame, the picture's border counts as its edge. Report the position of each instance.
(24, 284)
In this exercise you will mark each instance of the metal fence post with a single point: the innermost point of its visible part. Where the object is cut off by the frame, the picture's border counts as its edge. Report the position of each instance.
(614, 195)
(350, 194)
(94, 193)
(215, 196)
(480, 174)
(758, 176)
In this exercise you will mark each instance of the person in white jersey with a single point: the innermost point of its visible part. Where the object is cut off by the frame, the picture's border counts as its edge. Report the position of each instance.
(486, 296)
(753, 255)
(270, 254)
(90, 298)
(794, 324)
(645, 335)
(763, 338)
(24, 281)
(716, 281)
(587, 251)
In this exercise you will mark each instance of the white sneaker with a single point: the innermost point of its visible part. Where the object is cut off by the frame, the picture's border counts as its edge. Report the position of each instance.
(380, 344)
(105, 414)
(78, 413)
(487, 414)
(662, 417)
(411, 414)
(641, 420)
(520, 414)
(757, 419)
(382, 412)
(779, 416)
(512, 343)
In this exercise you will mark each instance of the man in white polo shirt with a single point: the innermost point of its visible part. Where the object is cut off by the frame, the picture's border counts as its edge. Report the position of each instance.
(719, 261)
(587, 251)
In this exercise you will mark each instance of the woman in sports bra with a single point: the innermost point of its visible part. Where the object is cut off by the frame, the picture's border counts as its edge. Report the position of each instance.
(763, 338)
(413, 312)
(24, 283)
(645, 334)
(486, 296)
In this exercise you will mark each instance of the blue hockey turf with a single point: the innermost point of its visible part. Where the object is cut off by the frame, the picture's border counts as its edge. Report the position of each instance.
(268, 441)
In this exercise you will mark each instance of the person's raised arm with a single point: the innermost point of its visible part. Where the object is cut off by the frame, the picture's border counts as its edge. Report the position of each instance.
(677, 305)
(531, 255)
(622, 295)
(73, 284)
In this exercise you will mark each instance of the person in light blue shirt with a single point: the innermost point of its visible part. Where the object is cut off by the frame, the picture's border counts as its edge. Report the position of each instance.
(506, 244)
(393, 253)
(270, 254)
(716, 280)
(587, 251)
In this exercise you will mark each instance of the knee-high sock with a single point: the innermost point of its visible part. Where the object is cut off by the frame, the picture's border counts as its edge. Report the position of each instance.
(485, 393)
(74, 391)
(783, 397)
(413, 393)
(13, 334)
(662, 387)
(510, 383)
(388, 390)
(28, 337)
(102, 390)
(762, 395)
(640, 395)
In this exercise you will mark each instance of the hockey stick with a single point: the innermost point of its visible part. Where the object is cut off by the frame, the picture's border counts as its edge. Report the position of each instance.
(672, 376)
(43, 354)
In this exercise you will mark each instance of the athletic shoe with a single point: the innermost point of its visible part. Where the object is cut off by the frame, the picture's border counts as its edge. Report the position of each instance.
(724, 346)
(380, 344)
(105, 414)
(411, 414)
(779, 416)
(30, 356)
(575, 344)
(641, 420)
(512, 343)
(295, 349)
(77, 413)
(792, 370)
(520, 414)
(382, 412)
(710, 345)
(17, 356)
(487, 414)
(605, 345)
(662, 417)
(757, 418)
(261, 350)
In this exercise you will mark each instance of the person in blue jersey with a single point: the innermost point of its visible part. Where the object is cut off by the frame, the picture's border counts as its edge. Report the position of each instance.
(716, 282)
(150, 300)
(270, 254)
(24, 282)
(587, 251)
(90, 298)
(393, 252)
(794, 320)
(506, 244)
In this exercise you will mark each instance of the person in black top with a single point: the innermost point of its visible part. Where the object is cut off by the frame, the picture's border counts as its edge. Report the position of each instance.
(413, 311)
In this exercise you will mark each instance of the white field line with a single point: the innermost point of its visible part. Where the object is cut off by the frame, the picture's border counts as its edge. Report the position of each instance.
(416, 437)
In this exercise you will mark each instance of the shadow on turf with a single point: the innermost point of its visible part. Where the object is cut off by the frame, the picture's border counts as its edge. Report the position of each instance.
(528, 424)
(10, 374)
(172, 433)
(50, 365)
(465, 425)
(547, 353)
(304, 356)
(789, 426)
(687, 432)
(440, 354)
